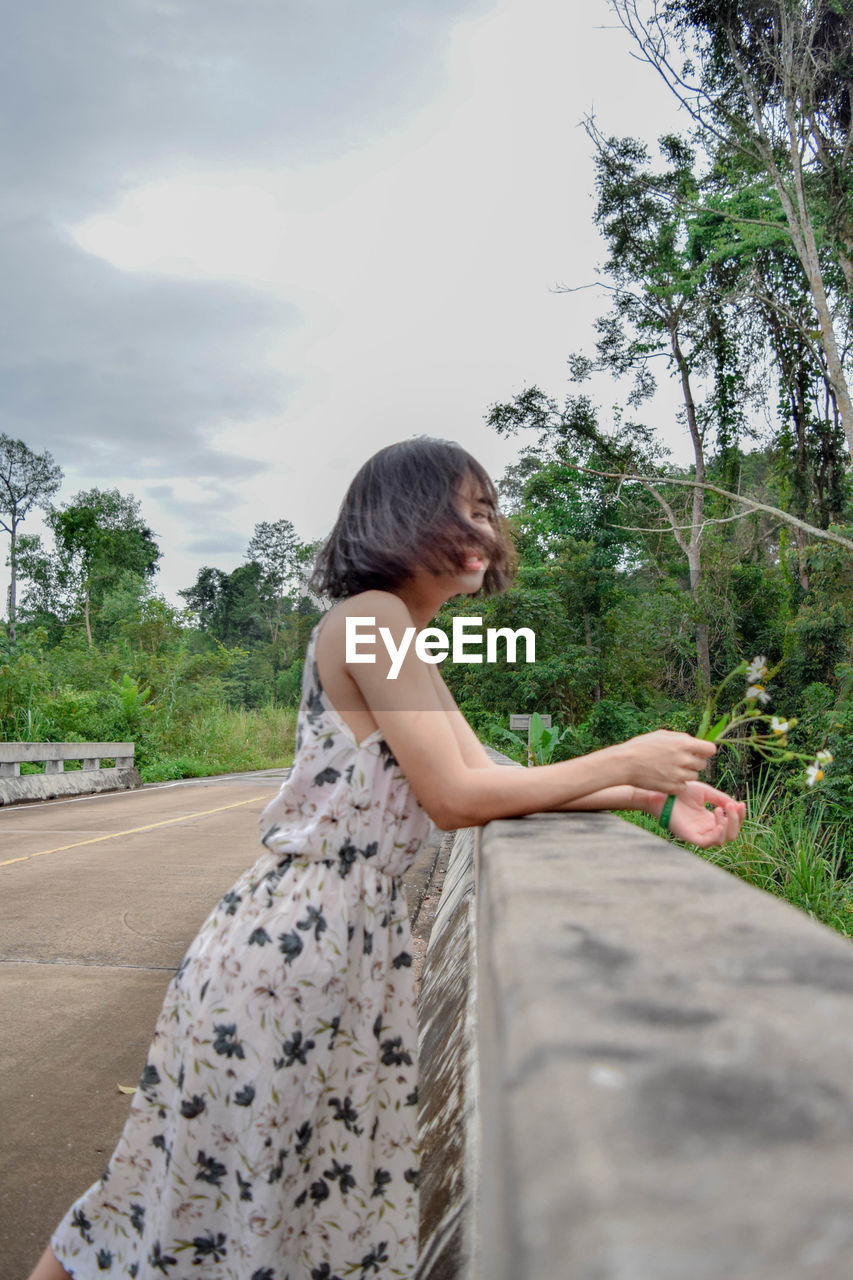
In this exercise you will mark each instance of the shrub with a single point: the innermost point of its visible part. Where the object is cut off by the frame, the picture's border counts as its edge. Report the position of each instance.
(288, 684)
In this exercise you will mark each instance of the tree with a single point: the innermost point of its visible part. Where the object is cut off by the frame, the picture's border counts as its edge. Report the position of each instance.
(774, 86)
(261, 595)
(27, 480)
(571, 551)
(204, 598)
(100, 538)
(277, 549)
(664, 305)
(738, 235)
(228, 606)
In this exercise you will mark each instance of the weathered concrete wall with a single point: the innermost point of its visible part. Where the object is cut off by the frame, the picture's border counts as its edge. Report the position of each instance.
(634, 1066)
(666, 1059)
(80, 782)
(448, 1074)
(449, 1108)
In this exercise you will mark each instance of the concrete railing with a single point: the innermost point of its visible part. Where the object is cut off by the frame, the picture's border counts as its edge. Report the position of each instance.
(89, 778)
(634, 1066)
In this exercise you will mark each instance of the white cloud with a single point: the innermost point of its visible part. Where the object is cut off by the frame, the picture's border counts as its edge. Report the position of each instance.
(209, 227)
(421, 266)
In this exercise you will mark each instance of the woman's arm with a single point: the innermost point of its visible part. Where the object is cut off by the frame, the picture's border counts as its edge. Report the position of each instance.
(455, 793)
(624, 797)
(690, 819)
(473, 752)
(619, 798)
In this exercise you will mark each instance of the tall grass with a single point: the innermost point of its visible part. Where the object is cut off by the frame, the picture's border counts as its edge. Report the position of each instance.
(223, 740)
(791, 849)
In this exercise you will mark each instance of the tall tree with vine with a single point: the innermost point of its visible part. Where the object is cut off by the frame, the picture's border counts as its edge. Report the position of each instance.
(27, 480)
(771, 82)
(666, 306)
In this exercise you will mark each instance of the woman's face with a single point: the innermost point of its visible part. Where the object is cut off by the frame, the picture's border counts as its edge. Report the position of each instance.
(475, 508)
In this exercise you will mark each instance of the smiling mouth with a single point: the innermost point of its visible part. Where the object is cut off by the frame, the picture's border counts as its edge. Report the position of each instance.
(474, 562)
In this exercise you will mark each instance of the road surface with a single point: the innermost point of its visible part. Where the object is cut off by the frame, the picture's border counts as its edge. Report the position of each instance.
(99, 899)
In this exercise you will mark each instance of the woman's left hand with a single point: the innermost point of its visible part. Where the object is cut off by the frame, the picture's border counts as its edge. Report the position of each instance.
(690, 820)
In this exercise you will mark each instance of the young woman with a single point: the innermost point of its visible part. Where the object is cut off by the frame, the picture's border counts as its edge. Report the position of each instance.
(273, 1135)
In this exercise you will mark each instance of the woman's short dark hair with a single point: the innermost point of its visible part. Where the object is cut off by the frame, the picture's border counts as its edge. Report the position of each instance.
(399, 513)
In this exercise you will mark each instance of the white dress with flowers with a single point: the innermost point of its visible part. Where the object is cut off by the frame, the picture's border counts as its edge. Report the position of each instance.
(274, 1132)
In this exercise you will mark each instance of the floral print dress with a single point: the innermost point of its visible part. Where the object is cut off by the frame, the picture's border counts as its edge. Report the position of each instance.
(273, 1135)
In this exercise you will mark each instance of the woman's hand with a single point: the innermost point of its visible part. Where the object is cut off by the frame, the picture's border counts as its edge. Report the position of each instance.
(665, 761)
(690, 820)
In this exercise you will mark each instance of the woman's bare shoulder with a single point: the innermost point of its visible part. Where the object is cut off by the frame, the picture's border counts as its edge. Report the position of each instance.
(384, 607)
(372, 609)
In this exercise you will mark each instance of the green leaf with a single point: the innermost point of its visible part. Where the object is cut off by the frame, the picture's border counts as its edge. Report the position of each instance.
(537, 730)
(712, 734)
(702, 731)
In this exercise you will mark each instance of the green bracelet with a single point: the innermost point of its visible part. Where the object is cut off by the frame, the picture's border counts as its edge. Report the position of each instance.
(666, 812)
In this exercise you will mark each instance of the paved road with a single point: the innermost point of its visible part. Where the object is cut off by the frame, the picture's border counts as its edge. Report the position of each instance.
(99, 899)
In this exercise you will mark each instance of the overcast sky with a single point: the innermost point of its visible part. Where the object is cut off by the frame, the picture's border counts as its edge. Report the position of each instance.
(246, 244)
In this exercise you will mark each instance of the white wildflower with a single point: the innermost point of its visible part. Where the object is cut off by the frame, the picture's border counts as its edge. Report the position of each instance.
(758, 693)
(814, 773)
(756, 670)
(823, 757)
(779, 726)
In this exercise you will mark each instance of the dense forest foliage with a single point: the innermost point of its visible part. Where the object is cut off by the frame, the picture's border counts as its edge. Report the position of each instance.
(728, 269)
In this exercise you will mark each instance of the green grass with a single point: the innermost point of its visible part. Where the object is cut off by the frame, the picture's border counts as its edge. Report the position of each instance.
(789, 850)
(219, 740)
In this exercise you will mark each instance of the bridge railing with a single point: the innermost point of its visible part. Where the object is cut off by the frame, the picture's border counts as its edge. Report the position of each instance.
(55, 781)
(55, 754)
(633, 1065)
